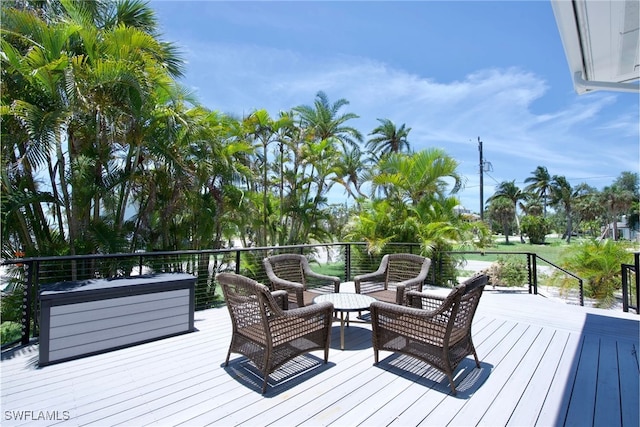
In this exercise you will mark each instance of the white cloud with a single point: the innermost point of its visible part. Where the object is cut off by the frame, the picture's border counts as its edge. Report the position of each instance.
(499, 105)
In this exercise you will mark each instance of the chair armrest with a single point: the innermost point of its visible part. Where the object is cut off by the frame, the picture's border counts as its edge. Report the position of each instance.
(322, 312)
(413, 284)
(311, 310)
(395, 311)
(292, 288)
(299, 322)
(409, 285)
(279, 284)
(282, 299)
(423, 300)
(332, 279)
(375, 277)
(400, 291)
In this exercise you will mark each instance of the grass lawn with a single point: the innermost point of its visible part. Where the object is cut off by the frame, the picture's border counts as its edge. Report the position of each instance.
(332, 269)
(552, 249)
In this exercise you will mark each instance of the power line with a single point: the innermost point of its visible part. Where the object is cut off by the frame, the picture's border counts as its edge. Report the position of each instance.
(592, 177)
(493, 179)
(568, 179)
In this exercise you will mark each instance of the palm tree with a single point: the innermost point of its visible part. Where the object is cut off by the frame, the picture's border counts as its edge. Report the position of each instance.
(564, 195)
(589, 209)
(411, 177)
(440, 225)
(510, 191)
(616, 201)
(418, 206)
(320, 158)
(388, 139)
(324, 120)
(540, 185)
(501, 210)
(376, 223)
(263, 130)
(630, 181)
(348, 172)
(84, 75)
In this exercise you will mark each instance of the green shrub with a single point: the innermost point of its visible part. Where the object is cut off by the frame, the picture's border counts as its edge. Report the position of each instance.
(598, 264)
(509, 271)
(10, 332)
(11, 305)
(536, 227)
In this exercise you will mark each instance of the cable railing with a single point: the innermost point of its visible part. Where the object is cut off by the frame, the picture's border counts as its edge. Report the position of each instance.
(532, 268)
(26, 276)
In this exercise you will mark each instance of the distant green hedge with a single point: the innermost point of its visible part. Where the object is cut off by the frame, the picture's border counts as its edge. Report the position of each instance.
(10, 332)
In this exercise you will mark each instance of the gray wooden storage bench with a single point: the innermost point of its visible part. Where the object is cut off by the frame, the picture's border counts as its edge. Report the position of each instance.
(94, 316)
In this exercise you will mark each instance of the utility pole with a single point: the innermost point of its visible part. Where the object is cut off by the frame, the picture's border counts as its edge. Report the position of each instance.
(481, 181)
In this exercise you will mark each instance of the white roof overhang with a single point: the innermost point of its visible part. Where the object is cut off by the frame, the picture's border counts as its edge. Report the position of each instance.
(601, 40)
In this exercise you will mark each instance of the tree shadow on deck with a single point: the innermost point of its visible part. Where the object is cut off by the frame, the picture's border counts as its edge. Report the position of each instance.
(31, 351)
(468, 378)
(290, 374)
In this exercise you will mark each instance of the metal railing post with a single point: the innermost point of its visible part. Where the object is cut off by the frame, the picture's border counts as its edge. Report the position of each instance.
(534, 259)
(625, 287)
(637, 271)
(529, 274)
(237, 262)
(581, 292)
(27, 305)
(347, 262)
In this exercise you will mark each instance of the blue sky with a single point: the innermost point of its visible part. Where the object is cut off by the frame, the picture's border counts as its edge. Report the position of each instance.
(452, 71)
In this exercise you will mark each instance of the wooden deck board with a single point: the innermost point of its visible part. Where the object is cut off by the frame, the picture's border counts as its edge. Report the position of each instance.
(505, 359)
(629, 383)
(484, 328)
(583, 390)
(607, 404)
(498, 337)
(529, 406)
(542, 363)
(556, 400)
(501, 408)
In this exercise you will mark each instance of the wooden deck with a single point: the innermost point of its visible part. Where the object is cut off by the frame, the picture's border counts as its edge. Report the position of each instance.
(543, 363)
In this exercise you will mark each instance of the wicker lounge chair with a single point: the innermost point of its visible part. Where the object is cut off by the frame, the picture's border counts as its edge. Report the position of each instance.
(397, 274)
(268, 335)
(434, 329)
(291, 272)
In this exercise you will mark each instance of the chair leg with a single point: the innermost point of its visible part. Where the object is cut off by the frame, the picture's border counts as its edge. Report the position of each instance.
(452, 384)
(449, 371)
(475, 356)
(264, 384)
(375, 356)
(226, 363)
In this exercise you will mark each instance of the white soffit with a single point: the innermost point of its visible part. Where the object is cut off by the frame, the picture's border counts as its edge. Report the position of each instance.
(601, 40)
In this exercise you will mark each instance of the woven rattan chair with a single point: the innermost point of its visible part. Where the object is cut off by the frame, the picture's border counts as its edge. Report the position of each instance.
(397, 274)
(434, 329)
(268, 335)
(291, 272)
